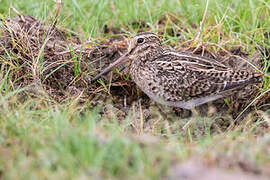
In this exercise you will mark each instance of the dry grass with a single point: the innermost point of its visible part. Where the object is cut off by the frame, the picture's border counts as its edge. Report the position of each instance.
(55, 124)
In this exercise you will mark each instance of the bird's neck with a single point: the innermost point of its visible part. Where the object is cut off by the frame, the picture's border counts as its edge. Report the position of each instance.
(142, 61)
(147, 54)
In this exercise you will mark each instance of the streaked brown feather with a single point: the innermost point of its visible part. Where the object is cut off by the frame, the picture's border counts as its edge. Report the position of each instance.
(181, 79)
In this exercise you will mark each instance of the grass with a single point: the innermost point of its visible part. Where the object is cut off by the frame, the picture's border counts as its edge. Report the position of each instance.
(48, 140)
(69, 141)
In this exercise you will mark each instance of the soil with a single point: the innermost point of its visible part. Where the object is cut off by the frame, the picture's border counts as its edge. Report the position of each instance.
(54, 63)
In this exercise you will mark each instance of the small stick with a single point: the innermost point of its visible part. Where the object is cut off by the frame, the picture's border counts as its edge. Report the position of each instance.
(18, 13)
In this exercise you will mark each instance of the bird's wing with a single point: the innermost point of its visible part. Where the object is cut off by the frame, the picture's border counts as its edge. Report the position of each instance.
(194, 62)
(189, 81)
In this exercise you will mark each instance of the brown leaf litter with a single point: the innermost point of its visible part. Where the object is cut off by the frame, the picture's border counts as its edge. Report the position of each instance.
(57, 64)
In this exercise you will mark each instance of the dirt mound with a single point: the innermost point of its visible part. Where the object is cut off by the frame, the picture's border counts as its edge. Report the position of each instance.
(52, 59)
(56, 63)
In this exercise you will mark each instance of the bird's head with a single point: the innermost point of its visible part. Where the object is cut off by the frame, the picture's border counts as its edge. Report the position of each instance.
(143, 45)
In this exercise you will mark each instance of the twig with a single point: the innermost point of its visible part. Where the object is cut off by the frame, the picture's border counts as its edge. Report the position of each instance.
(18, 13)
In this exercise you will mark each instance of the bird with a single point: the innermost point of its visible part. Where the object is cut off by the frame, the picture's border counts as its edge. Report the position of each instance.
(179, 79)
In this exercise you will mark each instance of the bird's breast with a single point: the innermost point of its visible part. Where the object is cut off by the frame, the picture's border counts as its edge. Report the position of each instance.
(143, 75)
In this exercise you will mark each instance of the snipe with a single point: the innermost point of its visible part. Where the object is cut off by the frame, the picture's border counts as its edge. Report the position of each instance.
(179, 79)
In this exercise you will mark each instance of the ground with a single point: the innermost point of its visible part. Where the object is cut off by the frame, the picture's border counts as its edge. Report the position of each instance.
(54, 124)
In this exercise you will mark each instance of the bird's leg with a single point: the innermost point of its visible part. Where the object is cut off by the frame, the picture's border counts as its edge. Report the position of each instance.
(162, 110)
(194, 114)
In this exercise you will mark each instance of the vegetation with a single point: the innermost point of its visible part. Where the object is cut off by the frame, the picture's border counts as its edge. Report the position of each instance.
(43, 138)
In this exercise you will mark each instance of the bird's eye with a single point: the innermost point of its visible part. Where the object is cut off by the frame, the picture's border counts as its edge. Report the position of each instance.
(140, 40)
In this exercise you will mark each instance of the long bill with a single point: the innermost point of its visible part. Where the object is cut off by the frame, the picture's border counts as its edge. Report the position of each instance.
(110, 68)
